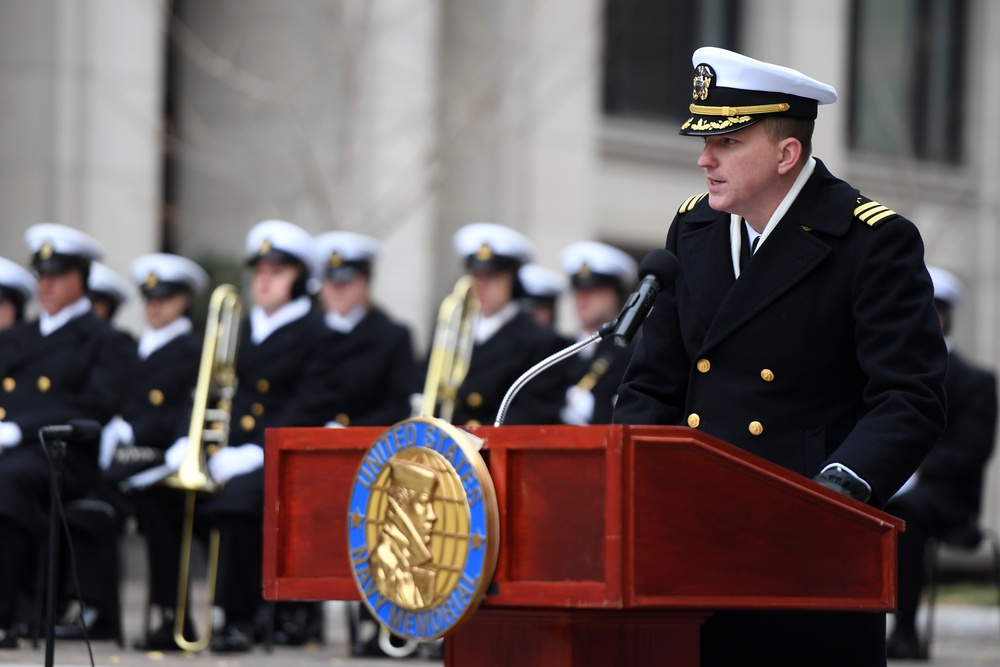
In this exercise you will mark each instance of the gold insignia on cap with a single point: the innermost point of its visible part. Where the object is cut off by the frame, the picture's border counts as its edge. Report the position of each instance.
(485, 253)
(703, 76)
(247, 422)
(336, 260)
(44, 384)
(584, 271)
(151, 280)
(155, 397)
(8, 384)
(265, 247)
(46, 251)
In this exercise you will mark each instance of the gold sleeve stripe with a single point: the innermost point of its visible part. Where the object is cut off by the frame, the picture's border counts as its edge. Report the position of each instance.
(691, 202)
(881, 216)
(864, 207)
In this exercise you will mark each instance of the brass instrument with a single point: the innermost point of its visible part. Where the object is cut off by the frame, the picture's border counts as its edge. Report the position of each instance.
(451, 351)
(209, 430)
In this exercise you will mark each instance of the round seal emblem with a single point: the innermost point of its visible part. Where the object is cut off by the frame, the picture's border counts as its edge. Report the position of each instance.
(423, 529)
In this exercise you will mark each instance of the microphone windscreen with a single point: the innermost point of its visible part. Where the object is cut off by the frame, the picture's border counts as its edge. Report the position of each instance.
(85, 429)
(662, 264)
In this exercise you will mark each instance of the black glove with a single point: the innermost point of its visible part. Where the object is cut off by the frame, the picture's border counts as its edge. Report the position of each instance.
(843, 482)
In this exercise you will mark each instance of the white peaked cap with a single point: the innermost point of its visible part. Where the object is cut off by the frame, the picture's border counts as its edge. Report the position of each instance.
(539, 281)
(63, 240)
(947, 286)
(484, 240)
(586, 258)
(160, 267)
(284, 237)
(105, 280)
(15, 277)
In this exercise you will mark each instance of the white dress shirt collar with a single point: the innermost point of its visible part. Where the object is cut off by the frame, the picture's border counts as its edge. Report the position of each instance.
(48, 324)
(153, 339)
(263, 325)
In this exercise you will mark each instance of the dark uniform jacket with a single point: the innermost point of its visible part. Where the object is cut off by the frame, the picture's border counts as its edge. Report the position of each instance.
(952, 474)
(158, 401)
(377, 357)
(826, 349)
(498, 363)
(76, 372)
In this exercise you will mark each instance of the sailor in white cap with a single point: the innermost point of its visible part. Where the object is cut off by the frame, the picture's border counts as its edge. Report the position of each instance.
(17, 288)
(944, 496)
(154, 412)
(106, 290)
(284, 378)
(602, 276)
(373, 350)
(542, 288)
(507, 340)
(801, 328)
(65, 366)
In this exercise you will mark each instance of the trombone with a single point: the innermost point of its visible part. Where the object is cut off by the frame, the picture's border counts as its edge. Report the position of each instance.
(209, 431)
(451, 352)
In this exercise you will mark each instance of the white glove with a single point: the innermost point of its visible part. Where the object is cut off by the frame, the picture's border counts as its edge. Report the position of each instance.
(116, 433)
(579, 407)
(175, 453)
(333, 425)
(229, 462)
(10, 435)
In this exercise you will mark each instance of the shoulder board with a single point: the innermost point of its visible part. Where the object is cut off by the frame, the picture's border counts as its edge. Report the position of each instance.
(872, 213)
(690, 203)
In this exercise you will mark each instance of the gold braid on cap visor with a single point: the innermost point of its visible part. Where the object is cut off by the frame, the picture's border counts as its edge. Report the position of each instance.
(738, 111)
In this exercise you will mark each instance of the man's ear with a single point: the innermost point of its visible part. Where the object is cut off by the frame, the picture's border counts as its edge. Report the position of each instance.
(790, 152)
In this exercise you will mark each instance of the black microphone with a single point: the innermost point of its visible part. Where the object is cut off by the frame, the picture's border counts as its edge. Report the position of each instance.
(74, 429)
(658, 269)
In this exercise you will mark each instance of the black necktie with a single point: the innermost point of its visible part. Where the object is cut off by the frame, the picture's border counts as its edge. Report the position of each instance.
(753, 247)
(744, 246)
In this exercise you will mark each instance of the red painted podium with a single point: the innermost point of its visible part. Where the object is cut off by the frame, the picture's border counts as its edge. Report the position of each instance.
(616, 542)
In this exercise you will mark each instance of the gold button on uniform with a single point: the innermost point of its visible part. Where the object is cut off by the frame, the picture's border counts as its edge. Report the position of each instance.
(694, 420)
(342, 419)
(9, 384)
(704, 365)
(472, 422)
(767, 374)
(155, 397)
(3, 413)
(263, 385)
(756, 427)
(247, 422)
(44, 384)
(474, 400)
(257, 409)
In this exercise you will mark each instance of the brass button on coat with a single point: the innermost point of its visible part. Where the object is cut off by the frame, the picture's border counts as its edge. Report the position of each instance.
(342, 419)
(704, 365)
(247, 422)
(767, 374)
(263, 386)
(756, 427)
(44, 384)
(474, 400)
(155, 397)
(694, 420)
(9, 384)
(257, 409)
(473, 422)
(3, 414)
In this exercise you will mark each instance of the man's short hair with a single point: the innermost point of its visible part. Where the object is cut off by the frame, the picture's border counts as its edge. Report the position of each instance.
(782, 127)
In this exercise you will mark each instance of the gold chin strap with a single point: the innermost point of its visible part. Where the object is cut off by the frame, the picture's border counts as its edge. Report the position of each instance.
(738, 111)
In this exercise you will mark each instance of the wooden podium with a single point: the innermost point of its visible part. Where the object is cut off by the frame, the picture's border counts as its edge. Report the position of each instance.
(617, 542)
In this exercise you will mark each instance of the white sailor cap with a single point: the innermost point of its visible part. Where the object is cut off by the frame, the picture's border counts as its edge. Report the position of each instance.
(344, 256)
(280, 241)
(732, 91)
(490, 247)
(540, 282)
(105, 283)
(57, 248)
(947, 286)
(160, 275)
(16, 282)
(593, 264)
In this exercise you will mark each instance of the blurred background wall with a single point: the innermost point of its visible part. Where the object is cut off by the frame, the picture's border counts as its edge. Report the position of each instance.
(158, 125)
